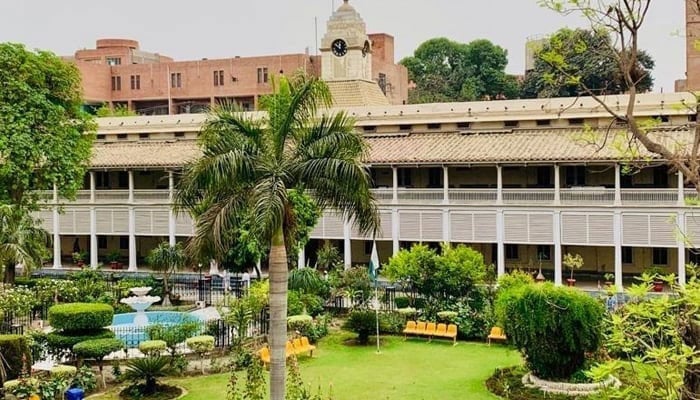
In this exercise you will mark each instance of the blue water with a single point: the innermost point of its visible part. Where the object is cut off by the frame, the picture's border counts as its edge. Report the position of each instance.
(131, 335)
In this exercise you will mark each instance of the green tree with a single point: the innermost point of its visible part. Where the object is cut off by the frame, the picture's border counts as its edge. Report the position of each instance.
(444, 70)
(22, 241)
(588, 55)
(167, 259)
(250, 164)
(623, 21)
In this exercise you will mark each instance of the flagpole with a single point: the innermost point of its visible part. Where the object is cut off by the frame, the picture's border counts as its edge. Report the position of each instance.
(376, 310)
(373, 266)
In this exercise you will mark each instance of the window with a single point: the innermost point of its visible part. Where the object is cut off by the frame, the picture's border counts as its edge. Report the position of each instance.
(102, 242)
(405, 128)
(123, 178)
(121, 136)
(113, 60)
(262, 75)
(626, 181)
(433, 126)
(664, 119)
(135, 82)
(512, 252)
(463, 125)
(511, 124)
(544, 122)
(144, 135)
(116, 83)
(368, 247)
(219, 78)
(370, 128)
(123, 242)
(660, 177)
(176, 80)
(494, 253)
(576, 175)
(544, 253)
(101, 137)
(102, 179)
(576, 121)
(404, 177)
(435, 177)
(627, 255)
(381, 81)
(544, 177)
(659, 256)
(179, 134)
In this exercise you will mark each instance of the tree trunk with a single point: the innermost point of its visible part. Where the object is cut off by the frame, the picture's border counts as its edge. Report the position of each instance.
(10, 273)
(166, 292)
(691, 378)
(277, 336)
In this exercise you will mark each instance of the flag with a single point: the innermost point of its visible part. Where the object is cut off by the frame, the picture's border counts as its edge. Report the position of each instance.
(373, 262)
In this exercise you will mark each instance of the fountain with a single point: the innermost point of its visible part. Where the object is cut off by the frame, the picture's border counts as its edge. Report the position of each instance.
(140, 302)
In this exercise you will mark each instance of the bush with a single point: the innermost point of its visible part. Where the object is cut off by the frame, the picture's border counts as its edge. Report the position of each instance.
(308, 281)
(402, 302)
(299, 322)
(408, 312)
(172, 335)
(85, 379)
(147, 370)
(515, 278)
(447, 316)
(97, 348)
(60, 344)
(201, 344)
(553, 327)
(152, 347)
(13, 348)
(362, 322)
(76, 317)
(64, 371)
(392, 323)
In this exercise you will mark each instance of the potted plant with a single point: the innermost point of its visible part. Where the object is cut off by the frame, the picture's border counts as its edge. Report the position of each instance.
(572, 261)
(609, 279)
(113, 259)
(79, 258)
(657, 274)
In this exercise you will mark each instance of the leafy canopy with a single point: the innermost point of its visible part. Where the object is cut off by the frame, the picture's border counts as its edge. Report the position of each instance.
(444, 70)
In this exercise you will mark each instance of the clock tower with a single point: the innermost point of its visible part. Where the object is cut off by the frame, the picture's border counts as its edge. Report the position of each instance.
(346, 51)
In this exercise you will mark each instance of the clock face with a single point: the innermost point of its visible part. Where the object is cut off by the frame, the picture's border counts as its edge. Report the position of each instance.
(339, 47)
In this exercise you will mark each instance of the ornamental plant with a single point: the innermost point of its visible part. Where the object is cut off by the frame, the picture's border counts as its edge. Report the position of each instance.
(362, 322)
(152, 347)
(75, 323)
(14, 350)
(98, 349)
(201, 345)
(553, 327)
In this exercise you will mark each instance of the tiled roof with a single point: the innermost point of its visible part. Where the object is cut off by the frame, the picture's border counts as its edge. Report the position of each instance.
(356, 93)
(549, 145)
(144, 154)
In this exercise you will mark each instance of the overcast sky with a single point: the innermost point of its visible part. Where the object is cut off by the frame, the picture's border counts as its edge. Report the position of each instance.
(224, 28)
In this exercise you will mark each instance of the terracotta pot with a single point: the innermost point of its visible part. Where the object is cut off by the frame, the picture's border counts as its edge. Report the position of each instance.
(571, 282)
(114, 265)
(658, 286)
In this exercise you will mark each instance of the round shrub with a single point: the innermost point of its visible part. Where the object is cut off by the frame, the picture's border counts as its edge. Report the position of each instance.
(552, 326)
(299, 322)
(63, 371)
(76, 317)
(97, 348)
(447, 316)
(152, 347)
(59, 342)
(200, 344)
(13, 348)
(408, 311)
(402, 301)
(362, 322)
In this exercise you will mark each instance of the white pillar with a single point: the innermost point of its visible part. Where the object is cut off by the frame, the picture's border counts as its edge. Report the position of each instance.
(395, 231)
(347, 243)
(171, 212)
(132, 225)
(500, 246)
(617, 233)
(93, 223)
(556, 230)
(499, 184)
(56, 231)
(618, 191)
(213, 267)
(301, 259)
(446, 226)
(681, 190)
(445, 185)
(680, 221)
(395, 185)
(557, 185)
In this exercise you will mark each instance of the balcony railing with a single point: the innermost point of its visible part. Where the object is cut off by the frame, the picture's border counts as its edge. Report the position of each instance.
(409, 196)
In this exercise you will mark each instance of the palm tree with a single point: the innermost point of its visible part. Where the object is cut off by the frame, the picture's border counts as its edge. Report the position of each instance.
(22, 241)
(251, 162)
(167, 259)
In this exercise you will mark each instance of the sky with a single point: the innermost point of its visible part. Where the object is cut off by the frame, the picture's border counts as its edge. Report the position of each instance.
(189, 30)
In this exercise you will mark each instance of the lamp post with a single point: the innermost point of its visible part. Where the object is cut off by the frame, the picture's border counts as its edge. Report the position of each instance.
(200, 284)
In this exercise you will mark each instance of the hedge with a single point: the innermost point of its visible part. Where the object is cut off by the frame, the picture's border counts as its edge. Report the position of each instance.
(97, 348)
(63, 371)
(64, 341)
(200, 344)
(152, 347)
(13, 347)
(76, 317)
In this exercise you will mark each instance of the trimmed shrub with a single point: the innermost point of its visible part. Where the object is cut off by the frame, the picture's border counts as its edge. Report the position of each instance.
(152, 347)
(200, 344)
(447, 316)
(299, 322)
(63, 371)
(13, 348)
(97, 348)
(76, 317)
(59, 343)
(402, 302)
(362, 322)
(552, 326)
(408, 312)
(515, 278)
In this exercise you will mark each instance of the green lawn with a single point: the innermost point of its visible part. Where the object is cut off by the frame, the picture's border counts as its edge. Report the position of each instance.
(413, 369)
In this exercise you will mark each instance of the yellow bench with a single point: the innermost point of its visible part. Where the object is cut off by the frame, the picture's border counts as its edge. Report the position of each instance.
(431, 330)
(292, 347)
(496, 334)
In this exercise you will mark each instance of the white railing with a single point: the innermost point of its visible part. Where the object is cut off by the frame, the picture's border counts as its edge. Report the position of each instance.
(473, 196)
(649, 196)
(588, 195)
(528, 196)
(424, 196)
(383, 195)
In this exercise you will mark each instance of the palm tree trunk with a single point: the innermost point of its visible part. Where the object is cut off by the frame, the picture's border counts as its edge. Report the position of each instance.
(278, 315)
(10, 273)
(166, 291)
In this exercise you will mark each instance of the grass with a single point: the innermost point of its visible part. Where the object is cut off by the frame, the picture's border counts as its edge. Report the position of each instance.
(412, 369)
